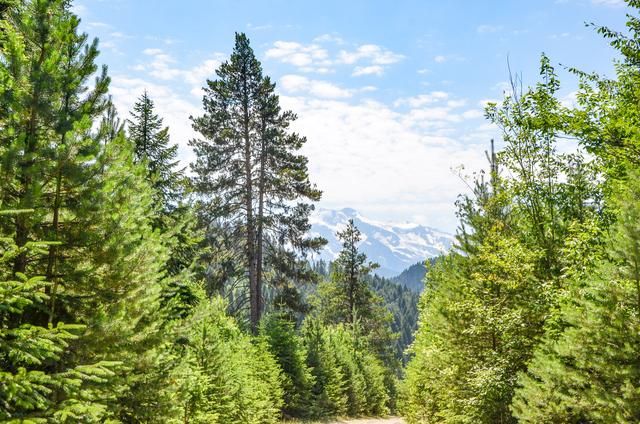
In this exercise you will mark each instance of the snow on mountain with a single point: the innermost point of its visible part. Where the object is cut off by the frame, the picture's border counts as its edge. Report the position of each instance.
(394, 246)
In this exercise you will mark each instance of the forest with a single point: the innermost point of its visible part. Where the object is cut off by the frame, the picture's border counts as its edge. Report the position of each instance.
(135, 288)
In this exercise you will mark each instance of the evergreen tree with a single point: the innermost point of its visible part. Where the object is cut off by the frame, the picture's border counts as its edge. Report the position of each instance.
(351, 295)
(329, 391)
(226, 376)
(175, 217)
(288, 349)
(152, 147)
(487, 306)
(589, 372)
(103, 267)
(33, 385)
(248, 170)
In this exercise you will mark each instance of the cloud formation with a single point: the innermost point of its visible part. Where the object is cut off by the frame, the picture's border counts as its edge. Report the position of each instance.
(367, 59)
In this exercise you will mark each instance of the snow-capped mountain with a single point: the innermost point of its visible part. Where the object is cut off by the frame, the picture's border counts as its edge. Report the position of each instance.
(394, 246)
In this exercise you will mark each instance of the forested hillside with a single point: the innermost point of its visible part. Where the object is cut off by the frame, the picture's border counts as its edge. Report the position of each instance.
(136, 287)
(413, 277)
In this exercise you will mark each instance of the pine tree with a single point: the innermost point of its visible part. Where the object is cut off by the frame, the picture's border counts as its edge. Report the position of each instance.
(103, 267)
(227, 377)
(351, 294)
(51, 62)
(34, 386)
(288, 349)
(248, 170)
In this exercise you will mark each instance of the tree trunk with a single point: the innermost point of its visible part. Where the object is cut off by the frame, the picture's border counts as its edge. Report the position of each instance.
(250, 233)
(53, 249)
(260, 218)
(26, 180)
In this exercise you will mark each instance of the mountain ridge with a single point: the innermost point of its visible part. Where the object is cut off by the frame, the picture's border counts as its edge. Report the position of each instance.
(395, 247)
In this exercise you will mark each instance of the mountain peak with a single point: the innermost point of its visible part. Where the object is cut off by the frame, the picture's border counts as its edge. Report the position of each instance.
(394, 246)
(349, 212)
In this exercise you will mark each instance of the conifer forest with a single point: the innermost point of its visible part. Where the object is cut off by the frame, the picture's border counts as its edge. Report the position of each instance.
(137, 287)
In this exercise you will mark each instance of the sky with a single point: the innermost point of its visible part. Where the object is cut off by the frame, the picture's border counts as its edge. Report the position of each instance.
(390, 94)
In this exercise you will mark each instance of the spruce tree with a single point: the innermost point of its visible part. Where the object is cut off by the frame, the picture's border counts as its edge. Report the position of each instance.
(34, 386)
(175, 217)
(152, 147)
(349, 271)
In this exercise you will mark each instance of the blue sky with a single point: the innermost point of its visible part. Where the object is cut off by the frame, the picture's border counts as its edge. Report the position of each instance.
(389, 94)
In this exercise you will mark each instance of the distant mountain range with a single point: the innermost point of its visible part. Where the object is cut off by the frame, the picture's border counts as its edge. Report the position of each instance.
(395, 247)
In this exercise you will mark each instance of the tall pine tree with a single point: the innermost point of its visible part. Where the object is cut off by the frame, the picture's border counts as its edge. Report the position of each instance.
(248, 168)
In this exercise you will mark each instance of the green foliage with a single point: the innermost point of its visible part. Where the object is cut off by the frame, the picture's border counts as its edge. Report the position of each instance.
(402, 302)
(226, 376)
(36, 383)
(249, 174)
(589, 372)
(349, 380)
(151, 147)
(104, 322)
(347, 297)
(363, 371)
(279, 332)
(480, 318)
(413, 277)
(487, 306)
(329, 391)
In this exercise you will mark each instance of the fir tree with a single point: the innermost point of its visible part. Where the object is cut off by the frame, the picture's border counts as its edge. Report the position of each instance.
(352, 295)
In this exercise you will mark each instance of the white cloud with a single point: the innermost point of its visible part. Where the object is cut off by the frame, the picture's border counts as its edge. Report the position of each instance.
(570, 100)
(383, 162)
(162, 67)
(377, 55)
(329, 38)
(368, 70)
(296, 84)
(441, 58)
(473, 114)
(316, 58)
(310, 56)
(422, 99)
